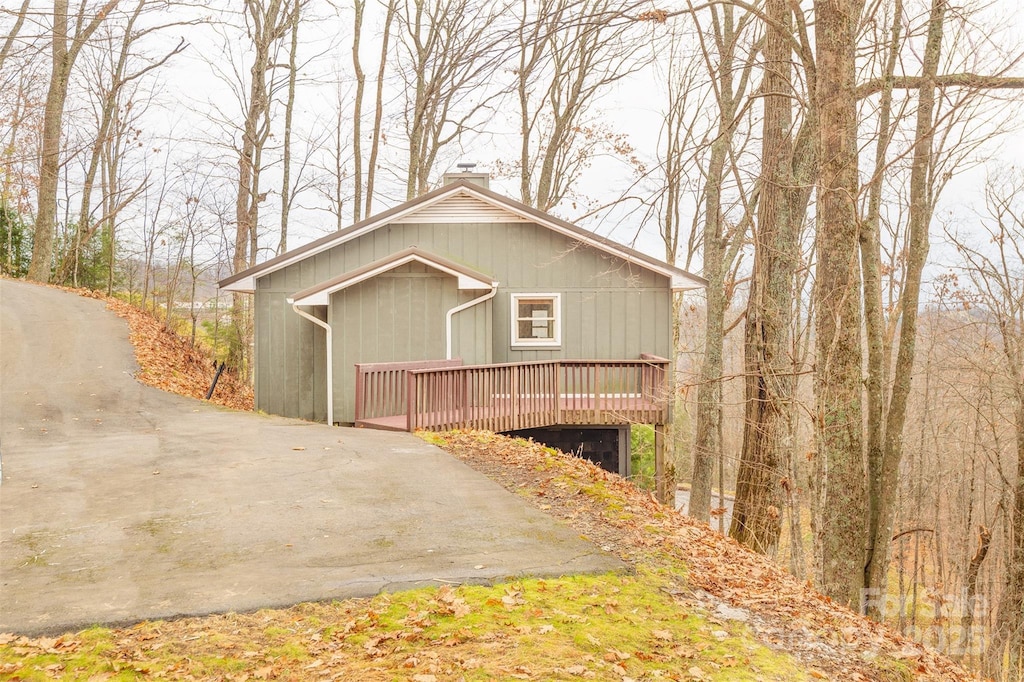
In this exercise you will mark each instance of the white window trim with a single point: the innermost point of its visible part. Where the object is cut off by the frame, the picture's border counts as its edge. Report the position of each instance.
(539, 343)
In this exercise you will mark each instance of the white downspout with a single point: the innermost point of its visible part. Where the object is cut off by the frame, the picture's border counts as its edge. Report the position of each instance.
(330, 359)
(458, 309)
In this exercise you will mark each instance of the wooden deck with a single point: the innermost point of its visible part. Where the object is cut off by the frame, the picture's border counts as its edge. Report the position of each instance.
(507, 397)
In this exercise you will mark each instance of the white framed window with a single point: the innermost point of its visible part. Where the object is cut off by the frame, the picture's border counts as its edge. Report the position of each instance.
(536, 320)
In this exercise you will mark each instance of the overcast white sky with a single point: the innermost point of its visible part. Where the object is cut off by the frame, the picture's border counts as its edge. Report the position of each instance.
(191, 89)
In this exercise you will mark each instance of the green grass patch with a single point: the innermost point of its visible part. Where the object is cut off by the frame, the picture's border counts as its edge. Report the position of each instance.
(433, 438)
(608, 625)
(641, 464)
(603, 627)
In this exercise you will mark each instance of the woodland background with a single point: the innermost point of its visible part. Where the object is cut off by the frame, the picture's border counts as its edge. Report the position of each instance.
(841, 171)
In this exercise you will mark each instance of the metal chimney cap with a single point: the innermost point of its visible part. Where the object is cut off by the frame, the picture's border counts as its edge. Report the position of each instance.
(465, 166)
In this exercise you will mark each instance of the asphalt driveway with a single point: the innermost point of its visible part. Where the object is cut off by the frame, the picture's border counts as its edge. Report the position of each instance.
(120, 502)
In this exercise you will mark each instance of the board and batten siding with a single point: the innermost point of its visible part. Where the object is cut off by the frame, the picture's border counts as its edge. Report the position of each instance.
(398, 316)
(610, 309)
(290, 359)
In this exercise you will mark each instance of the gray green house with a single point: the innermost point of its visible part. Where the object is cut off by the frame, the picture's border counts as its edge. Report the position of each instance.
(465, 308)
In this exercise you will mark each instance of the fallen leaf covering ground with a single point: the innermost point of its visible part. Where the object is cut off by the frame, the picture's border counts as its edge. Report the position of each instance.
(696, 606)
(171, 363)
(723, 577)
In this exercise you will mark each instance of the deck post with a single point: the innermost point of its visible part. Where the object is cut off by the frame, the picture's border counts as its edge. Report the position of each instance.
(410, 401)
(359, 392)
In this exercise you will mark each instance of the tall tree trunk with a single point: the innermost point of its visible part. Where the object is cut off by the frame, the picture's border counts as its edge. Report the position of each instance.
(65, 50)
(718, 258)
(841, 533)
(49, 165)
(19, 21)
(289, 110)
(871, 266)
(707, 445)
(971, 589)
(1008, 639)
(358, 7)
(884, 475)
(266, 28)
(757, 511)
(111, 122)
(378, 107)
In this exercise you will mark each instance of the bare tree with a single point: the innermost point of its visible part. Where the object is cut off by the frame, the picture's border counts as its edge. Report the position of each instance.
(287, 195)
(448, 53)
(730, 73)
(757, 514)
(378, 107)
(267, 23)
(885, 427)
(22, 78)
(364, 170)
(115, 91)
(358, 13)
(153, 226)
(570, 53)
(68, 36)
(682, 151)
(12, 35)
(995, 268)
(934, 151)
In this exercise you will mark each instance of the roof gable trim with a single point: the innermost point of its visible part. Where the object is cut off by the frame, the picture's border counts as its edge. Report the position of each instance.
(246, 281)
(461, 208)
(320, 294)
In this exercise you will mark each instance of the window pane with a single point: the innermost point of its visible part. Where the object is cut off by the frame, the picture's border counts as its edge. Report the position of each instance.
(537, 329)
(535, 308)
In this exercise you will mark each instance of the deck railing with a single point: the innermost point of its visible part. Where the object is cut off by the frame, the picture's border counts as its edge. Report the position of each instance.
(513, 396)
(380, 386)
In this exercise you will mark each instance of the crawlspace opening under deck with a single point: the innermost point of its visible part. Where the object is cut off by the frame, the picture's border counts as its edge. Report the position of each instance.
(607, 447)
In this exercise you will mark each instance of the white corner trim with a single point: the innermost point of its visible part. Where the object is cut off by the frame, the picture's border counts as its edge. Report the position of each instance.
(683, 283)
(330, 358)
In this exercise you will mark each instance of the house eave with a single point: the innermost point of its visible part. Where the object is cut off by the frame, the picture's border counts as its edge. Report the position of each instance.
(687, 282)
(246, 285)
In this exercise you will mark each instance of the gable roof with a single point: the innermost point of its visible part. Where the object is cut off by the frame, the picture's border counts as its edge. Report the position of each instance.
(461, 201)
(320, 294)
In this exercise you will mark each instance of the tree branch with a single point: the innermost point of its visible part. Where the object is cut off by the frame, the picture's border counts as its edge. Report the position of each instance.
(956, 80)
